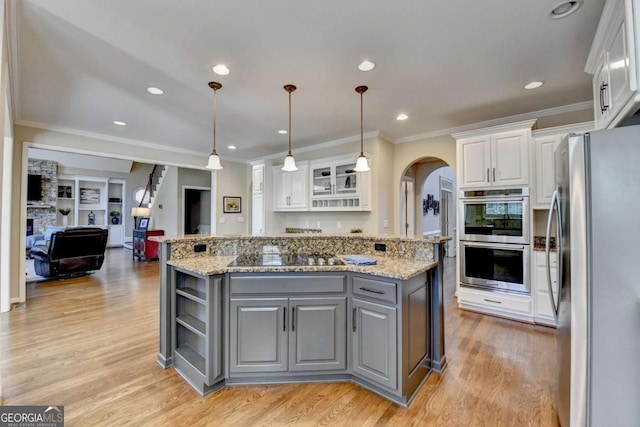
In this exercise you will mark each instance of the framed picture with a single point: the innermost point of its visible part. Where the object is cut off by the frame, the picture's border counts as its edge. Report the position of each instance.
(143, 224)
(64, 191)
(232, 204)
(436, 207)
(89, 196)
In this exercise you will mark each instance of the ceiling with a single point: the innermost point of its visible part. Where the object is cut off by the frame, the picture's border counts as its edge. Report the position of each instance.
(81, 64)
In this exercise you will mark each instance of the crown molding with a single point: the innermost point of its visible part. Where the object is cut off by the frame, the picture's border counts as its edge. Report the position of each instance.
(587, 105)
(328, 144)
(565, 129)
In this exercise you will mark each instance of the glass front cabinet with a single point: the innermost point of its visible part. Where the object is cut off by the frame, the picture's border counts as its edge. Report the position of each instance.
(335, 185)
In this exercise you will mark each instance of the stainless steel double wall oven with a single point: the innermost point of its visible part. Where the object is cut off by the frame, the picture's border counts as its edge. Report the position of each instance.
(494, 239)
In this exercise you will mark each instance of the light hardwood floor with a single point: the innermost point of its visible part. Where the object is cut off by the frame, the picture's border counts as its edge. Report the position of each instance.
(91, 343)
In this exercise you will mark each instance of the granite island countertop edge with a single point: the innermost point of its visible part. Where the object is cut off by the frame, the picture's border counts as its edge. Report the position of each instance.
(392, 268)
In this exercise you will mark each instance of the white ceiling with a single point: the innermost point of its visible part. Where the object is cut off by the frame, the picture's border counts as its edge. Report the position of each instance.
(81, 64)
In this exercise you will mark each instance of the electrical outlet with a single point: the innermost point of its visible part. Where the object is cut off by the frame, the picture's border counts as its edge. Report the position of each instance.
(222, 220)
(385, 223)
(339, 225)
(199, 248)
(318, 224)
(306, 224)
(380, 247)
(240, 219)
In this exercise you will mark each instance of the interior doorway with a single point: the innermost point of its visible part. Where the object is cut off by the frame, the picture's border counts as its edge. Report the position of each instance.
(196, 210)
(447, 215)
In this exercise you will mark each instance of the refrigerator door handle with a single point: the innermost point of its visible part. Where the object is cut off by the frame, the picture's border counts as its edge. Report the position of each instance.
(547, 249)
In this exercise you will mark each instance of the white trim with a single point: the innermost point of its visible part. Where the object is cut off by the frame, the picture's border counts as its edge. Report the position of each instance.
(587, 105)
(525, 124)
(5, 226)
(22, 226)
(574, 128)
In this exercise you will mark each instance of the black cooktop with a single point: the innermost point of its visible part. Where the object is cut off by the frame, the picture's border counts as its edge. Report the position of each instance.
(285, 260)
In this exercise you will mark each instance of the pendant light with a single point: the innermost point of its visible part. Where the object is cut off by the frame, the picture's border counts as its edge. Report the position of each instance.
(362, 165)
(214, 159)
(289, 161)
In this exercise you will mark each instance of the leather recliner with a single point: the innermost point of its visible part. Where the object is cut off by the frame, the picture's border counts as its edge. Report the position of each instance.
(72, 251)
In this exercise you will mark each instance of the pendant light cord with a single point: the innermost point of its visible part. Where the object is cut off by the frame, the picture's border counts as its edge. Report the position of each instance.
(215, 95)
(289, 124)
(361, 127)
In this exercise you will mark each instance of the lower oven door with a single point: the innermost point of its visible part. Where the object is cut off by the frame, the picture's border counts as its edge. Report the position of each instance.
(495, 266)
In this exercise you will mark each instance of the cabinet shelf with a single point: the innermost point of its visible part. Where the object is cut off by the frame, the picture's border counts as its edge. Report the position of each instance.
(191, 323)
(192, 357)
(192, 294)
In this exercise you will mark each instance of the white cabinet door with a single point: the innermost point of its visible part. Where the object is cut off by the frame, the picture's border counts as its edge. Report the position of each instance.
(510, 158)
(618, 66)
(298, 185)
(601, 95)
(543, 311)
(475, 160)
(116, 235)
(258, 179)
(544, 170)
(290, 192)
(257, 214)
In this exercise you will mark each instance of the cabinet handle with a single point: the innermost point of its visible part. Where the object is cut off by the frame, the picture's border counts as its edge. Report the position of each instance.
(284, 320)
(375, 291)
(293, 319)
(494, 301)
(488, 179)
(603, 88)
(353, 319)
(494, 174)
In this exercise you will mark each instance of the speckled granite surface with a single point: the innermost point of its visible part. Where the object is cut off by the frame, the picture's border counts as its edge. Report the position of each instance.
(413, 248)
(394, 268)
(302, 230)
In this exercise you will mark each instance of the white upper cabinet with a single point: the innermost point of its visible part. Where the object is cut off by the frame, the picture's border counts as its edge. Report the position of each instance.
(496, 156)
(258, 179)
(613, 63)
(290, 192)
(336, 186)
(545, 142)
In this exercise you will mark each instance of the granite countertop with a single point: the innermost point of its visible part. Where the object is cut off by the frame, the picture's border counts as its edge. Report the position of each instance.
(173, 239)
(394, 268)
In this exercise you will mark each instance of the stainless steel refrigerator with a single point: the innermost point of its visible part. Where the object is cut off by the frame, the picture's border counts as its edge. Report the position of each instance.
(596, 215)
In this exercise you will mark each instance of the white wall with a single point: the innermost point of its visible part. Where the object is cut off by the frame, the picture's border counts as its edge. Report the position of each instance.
(431, 222)
(233, 181)
(165, 210)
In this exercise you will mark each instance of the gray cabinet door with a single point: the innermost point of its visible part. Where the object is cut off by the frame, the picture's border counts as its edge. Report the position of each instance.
(374, 343)
(258, 335)
(318, 334)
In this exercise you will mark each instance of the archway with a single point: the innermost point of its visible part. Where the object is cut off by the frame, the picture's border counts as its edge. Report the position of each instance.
(421, 204)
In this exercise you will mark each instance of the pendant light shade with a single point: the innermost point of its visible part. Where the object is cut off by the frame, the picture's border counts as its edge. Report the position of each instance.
(362, 164)
(214, 159)
(289, 161)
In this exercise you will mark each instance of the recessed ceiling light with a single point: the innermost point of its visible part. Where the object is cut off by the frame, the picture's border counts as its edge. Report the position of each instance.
(221, 69)
(565, 9)
(366, 65)
(402, 116)
(533, 85)
(155, 91)
(119, 123)
(231, 147)
(282, 132)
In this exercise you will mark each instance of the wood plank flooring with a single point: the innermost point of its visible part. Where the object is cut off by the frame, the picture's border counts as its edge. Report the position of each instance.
(91, 343)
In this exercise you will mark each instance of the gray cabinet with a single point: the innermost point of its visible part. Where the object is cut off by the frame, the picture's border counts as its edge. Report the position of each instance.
(374, 341)
(258, 337)
(318, 334)
(196, 313)
(281, 334)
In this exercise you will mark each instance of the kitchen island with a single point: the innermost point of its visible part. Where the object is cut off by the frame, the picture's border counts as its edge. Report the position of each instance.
(300, 313)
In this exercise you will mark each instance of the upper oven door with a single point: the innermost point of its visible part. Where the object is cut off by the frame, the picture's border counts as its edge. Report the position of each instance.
(498, 220)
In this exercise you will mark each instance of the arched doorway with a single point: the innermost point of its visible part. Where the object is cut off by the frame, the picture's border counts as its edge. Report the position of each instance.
(428, 200)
